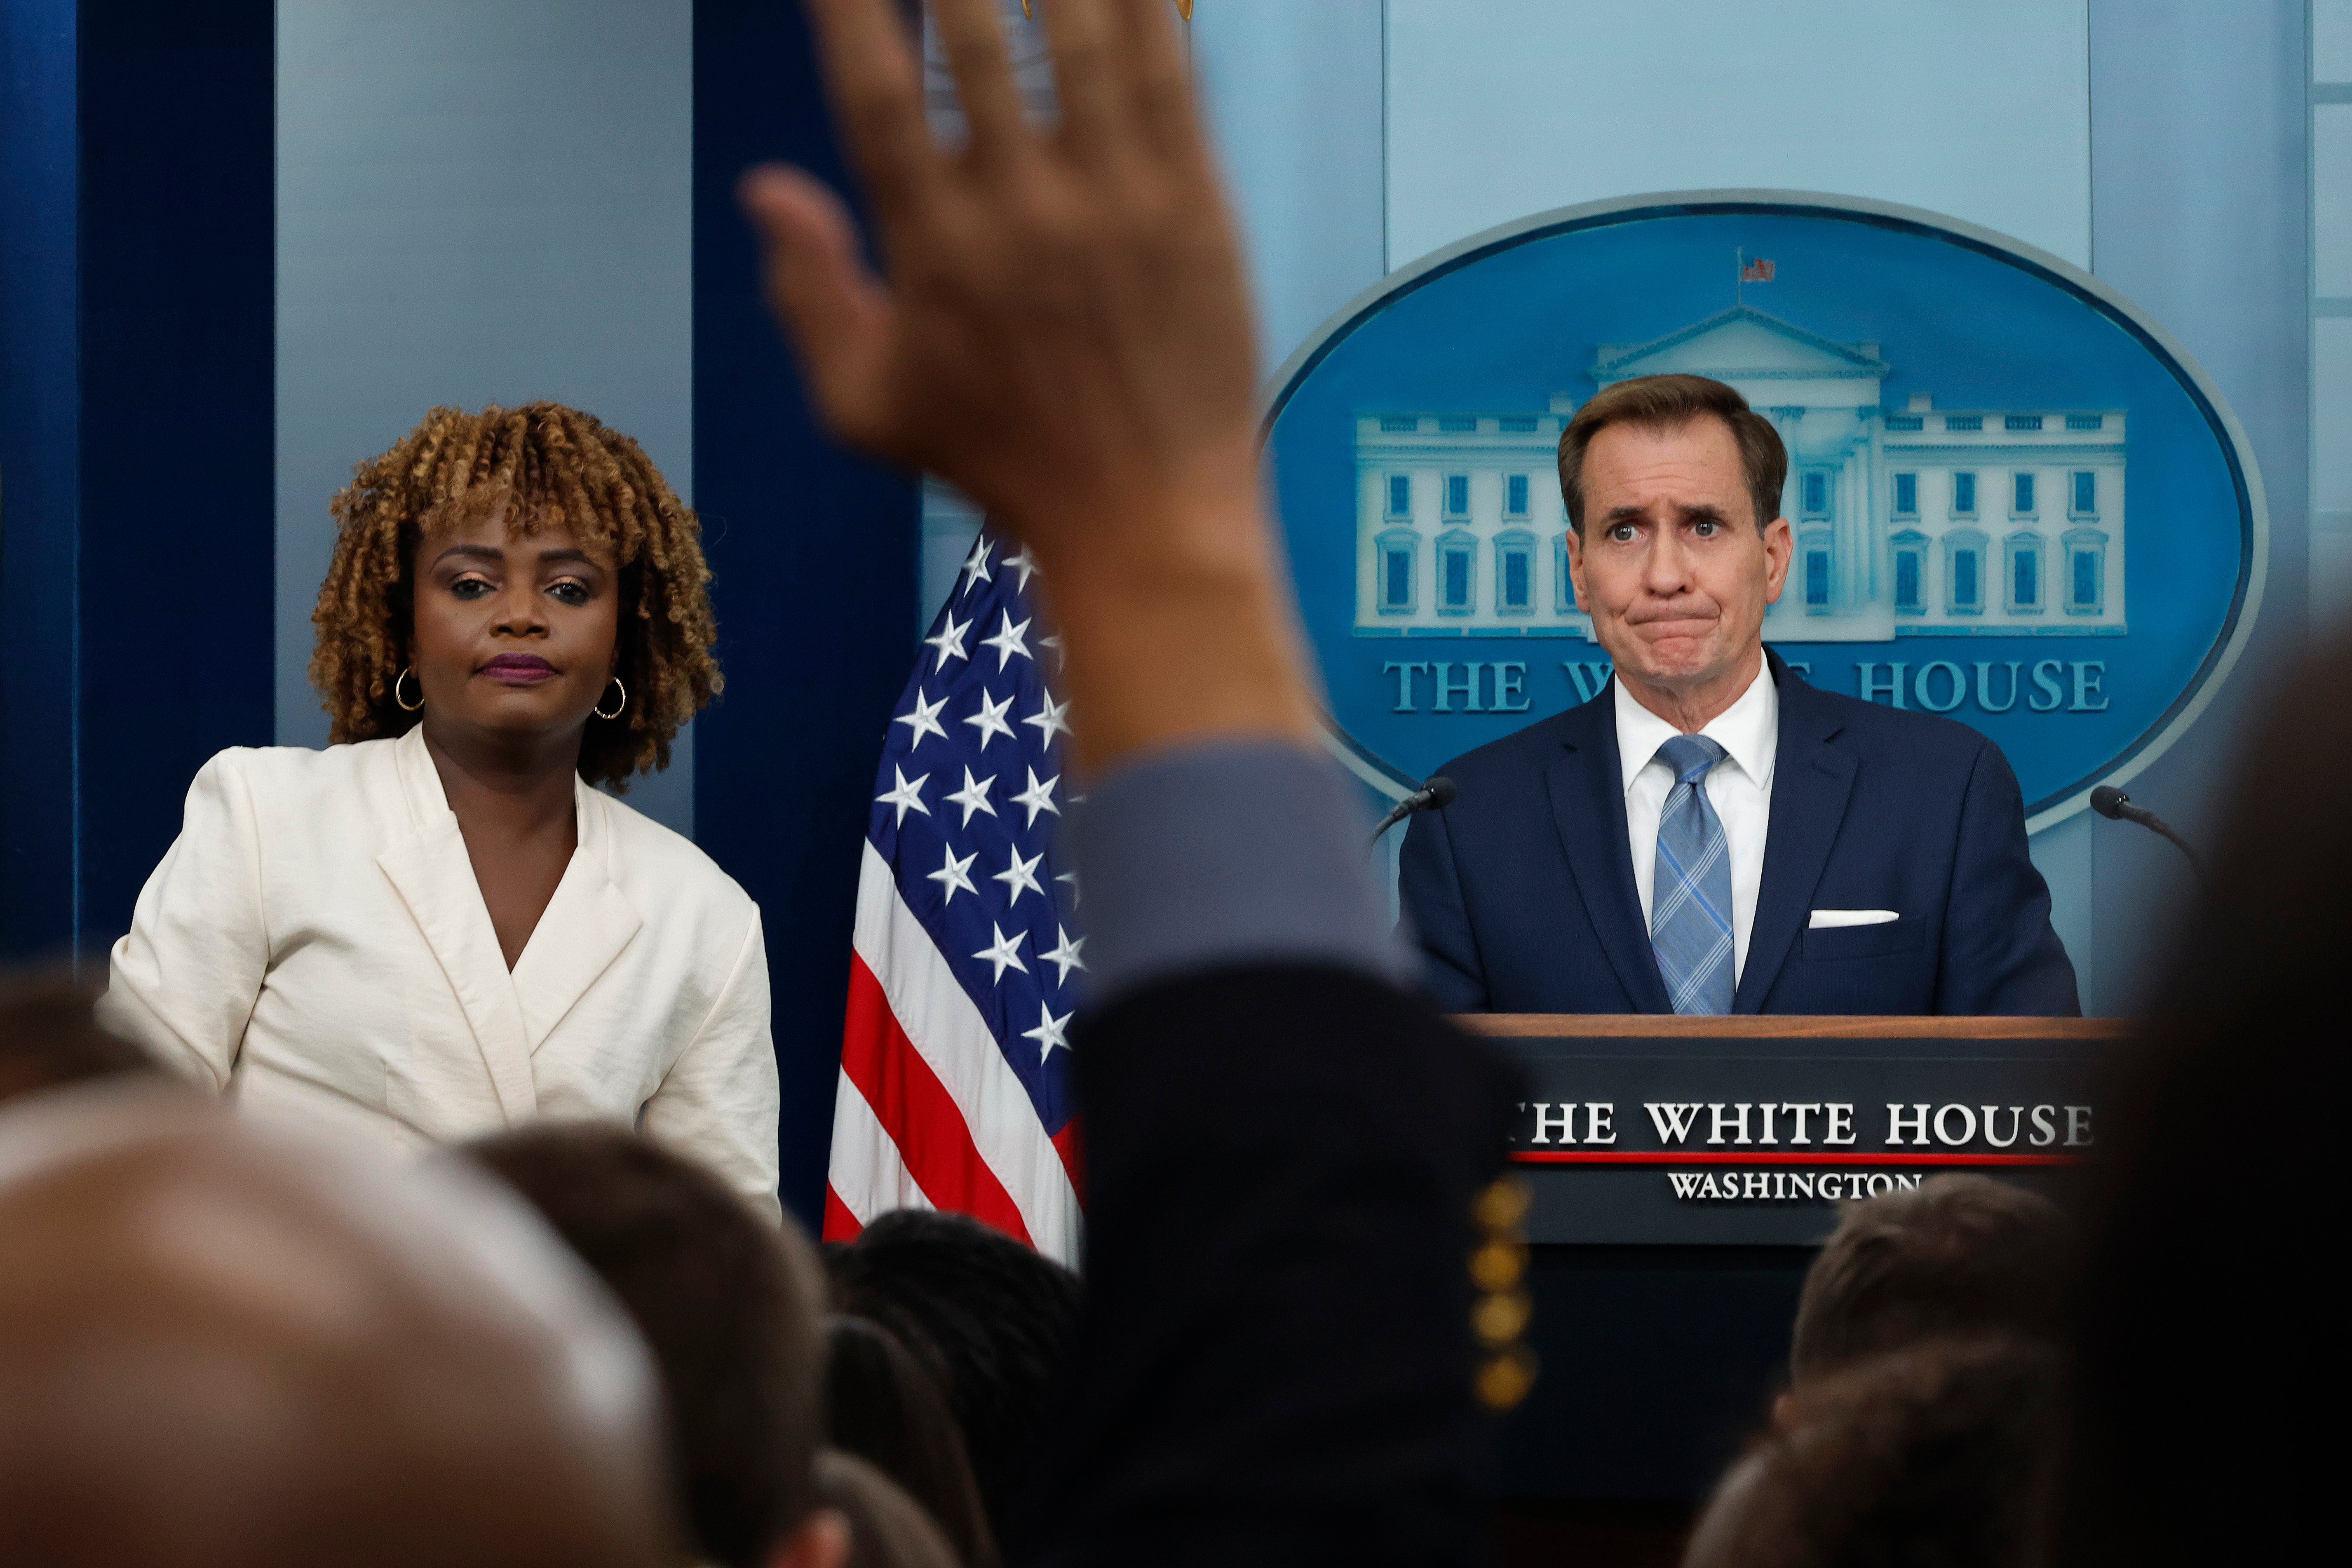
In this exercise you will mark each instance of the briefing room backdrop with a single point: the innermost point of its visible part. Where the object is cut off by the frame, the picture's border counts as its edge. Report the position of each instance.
(243, 246)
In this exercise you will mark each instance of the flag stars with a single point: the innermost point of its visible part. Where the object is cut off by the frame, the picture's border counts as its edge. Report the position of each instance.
(955, 876)
(1048, 718)
(1024, 563)
(1072, 878)
(906, 795)
(990, 719)
(1049, 1032)
(1009, 640)
(925, 720)
(1004, 953)
(1064, 954)
(1019, 877)
(949, 640)
(975, 565)
(1037, 797)
(973, 796)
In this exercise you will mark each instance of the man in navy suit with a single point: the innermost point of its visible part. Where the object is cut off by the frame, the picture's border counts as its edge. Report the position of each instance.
(1710, 834)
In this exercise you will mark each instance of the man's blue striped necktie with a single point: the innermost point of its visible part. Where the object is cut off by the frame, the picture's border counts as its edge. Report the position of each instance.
(1690, 900)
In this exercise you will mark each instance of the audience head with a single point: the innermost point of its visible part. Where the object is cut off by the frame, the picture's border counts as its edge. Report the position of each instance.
(987, 1316)
(1957, 1254)
(50, 1036)
(2208, 1321)
(221, 1346)
(890, 1411)
(1939, 1454)
(886, 1529)
(731, 1308)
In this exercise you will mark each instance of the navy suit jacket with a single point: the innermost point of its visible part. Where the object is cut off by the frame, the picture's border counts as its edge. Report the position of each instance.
(1521, 892)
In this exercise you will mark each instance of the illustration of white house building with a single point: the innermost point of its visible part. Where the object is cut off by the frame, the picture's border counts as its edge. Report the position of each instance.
(1907, 522)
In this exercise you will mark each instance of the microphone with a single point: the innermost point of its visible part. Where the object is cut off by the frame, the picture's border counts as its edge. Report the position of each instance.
(1438, 792)
(2115, 805)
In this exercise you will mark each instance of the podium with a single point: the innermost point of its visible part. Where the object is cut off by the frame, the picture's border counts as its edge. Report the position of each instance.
(1683, 1171)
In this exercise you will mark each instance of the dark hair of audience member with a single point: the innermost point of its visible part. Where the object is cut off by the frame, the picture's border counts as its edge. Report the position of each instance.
(990, 1317)
(890, 1411)
(1958, 1254)
(2209, 1320)
(1940, 1455)
(887, 1529)
(50, 1036)
(728, 1305)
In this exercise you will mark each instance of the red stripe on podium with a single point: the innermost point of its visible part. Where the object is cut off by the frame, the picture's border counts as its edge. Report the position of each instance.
(1668, 1157)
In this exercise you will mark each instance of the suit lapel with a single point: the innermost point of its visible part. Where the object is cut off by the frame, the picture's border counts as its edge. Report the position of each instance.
(435, 879)
(1587, 785)
(585, 926)
(1812, 781)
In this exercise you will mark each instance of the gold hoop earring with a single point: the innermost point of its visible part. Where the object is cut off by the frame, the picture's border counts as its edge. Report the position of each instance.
(406, 707)
(625, 701)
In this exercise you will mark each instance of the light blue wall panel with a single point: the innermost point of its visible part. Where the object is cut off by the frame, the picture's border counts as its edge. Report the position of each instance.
(2331, 468)
(1292, 93)
(2201, 208)
(2331, 326)
(477, 202)
(2331, 40)
(1509, 107)
(2331, 199)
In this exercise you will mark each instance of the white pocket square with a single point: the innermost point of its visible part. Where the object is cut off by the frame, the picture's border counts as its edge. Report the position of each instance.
(1825, 918)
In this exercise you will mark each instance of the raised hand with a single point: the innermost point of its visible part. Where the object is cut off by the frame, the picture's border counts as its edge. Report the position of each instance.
(1064, 334)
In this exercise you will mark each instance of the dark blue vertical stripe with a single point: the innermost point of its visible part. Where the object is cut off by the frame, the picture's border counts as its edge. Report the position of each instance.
(814, 556)
(135, 437)
(178, 420)
(40, 407)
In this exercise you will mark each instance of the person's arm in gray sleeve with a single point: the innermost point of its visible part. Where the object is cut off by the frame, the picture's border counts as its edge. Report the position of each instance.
(1227, 852)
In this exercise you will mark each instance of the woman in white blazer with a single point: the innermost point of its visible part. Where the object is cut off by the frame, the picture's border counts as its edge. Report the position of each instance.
(437, 927)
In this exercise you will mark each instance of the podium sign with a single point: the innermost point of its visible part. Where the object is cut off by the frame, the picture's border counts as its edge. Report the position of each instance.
(1750, 1129)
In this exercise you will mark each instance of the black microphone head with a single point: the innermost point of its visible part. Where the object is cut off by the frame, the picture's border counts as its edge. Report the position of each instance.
(1441, 791)
(2109, 802)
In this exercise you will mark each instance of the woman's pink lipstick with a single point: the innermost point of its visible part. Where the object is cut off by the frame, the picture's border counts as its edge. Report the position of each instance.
(519, 669)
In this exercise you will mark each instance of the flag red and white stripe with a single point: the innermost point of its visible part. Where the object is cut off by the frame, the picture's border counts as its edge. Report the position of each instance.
(945, 1098)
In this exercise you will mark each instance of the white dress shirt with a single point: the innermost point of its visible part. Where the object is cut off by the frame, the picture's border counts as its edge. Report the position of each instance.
(315, 944)
(1739, 787)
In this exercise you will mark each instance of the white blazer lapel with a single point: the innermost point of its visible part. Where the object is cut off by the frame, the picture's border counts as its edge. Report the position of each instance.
(435, 878)
(585, 926)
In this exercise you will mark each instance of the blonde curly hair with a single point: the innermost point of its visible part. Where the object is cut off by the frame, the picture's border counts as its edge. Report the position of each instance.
(547, 464)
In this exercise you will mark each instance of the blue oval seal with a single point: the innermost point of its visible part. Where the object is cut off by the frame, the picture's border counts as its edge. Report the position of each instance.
(2016, 500)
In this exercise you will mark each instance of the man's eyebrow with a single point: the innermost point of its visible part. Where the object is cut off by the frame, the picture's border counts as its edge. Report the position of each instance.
(1703, 512)
(1628, 514)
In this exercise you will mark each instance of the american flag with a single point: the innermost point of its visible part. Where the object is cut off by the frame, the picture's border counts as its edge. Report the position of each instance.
(955, 1073)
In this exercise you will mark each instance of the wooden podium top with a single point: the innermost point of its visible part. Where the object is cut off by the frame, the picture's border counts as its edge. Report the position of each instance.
(1759, 1026)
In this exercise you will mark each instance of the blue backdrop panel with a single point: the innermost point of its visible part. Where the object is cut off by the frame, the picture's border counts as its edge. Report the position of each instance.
(814, 557)
(178, 427)
(135, 619)
(40, 407)
(1963, 421)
